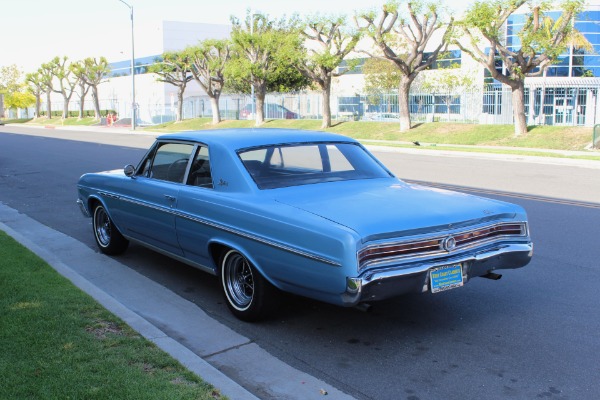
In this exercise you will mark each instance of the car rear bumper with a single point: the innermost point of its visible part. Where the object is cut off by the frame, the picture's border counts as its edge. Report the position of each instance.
(393, 281)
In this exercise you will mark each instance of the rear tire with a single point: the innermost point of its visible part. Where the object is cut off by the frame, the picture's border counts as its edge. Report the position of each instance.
(250, 297)
(108, 238)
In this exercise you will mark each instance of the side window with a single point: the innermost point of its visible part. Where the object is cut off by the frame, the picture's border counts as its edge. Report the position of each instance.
(169, 163)
(144, 167)
(338, 161)
(200, 171)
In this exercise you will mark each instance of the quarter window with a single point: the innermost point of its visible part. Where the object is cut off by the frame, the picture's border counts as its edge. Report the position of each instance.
(200, 174)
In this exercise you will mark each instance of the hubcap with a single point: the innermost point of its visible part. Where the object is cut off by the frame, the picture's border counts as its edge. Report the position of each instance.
(238, 281)
(102, 224)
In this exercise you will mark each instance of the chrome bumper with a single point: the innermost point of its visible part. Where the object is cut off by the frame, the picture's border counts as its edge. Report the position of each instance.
(388, 282)
(83, 209)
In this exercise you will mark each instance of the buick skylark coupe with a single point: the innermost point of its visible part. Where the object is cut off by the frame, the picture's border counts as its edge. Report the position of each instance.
(310, 213)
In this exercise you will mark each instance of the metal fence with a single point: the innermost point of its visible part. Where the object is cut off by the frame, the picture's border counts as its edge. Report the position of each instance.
(544, 105)
(569, 104)
(277, 106)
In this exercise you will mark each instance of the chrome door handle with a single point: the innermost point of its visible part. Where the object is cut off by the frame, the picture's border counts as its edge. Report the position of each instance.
(170, 198)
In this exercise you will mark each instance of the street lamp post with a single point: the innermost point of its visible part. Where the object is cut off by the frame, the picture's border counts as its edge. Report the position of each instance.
(133, 104)
(252, 84)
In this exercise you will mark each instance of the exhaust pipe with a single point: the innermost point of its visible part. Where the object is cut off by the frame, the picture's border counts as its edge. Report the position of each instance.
(364, 307)
(491, 275)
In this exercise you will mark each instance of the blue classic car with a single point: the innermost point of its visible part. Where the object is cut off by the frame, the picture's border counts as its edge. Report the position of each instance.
(310, 213)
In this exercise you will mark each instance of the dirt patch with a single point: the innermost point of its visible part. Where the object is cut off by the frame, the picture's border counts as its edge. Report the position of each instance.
(101, 329)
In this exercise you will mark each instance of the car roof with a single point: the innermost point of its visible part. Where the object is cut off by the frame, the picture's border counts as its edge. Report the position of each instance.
(241, 138)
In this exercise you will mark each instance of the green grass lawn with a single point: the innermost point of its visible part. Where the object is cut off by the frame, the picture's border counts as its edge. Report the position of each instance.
(58, 343)
(437, 135)
(544, 137)
(16, 120)
(434, 135)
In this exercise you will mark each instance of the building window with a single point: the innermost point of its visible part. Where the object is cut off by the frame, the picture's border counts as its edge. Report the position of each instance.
(576, 62)
(123, 68)
(449, 59)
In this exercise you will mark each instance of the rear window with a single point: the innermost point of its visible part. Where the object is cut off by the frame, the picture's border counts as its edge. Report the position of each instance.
(309, 163)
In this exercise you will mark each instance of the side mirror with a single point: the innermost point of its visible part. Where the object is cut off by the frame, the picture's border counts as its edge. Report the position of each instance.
(129, 170)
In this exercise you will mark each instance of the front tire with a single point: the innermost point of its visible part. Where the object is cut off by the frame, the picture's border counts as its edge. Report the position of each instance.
(249, 296)
(108, 238)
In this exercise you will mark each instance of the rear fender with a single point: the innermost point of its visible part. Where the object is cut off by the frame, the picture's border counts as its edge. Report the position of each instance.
(217, 248)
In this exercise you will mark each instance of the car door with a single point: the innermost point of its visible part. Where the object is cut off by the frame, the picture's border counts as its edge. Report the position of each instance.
(196, 203)
(149, 201)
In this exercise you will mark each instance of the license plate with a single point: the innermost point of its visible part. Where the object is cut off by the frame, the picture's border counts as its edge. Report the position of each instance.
(445, 278)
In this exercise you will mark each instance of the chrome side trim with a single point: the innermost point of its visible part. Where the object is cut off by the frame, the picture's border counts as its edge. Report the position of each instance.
(83, 209)
(174, 256)
(153, 206)
(226, 228)
(258, 239)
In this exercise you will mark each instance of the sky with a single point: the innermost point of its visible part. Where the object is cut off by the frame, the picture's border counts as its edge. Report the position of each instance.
(34, 31)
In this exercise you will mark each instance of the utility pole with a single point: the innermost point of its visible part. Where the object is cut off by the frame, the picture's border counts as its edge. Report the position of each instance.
(133, 103)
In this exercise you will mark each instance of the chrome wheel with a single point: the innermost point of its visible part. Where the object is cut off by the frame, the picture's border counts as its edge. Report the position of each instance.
(238, 280)
(102, 227)
(108, 238)
(249, 296)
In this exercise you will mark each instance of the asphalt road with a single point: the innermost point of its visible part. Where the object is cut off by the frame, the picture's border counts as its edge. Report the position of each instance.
(533, 334)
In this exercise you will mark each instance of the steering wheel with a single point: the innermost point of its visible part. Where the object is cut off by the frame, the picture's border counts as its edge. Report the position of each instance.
(173, 172)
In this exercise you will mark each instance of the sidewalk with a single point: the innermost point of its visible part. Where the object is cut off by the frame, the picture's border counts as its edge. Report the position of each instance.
(565, 153)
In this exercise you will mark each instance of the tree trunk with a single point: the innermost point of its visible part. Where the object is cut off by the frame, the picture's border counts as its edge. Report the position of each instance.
(216, 113)
(38, 104)
(403, 91)
(96, 102)
(179, 116)
(260, 94)
(65, 113)
(81, 105)
(48, 106)
(326, 93)
(82, 95)
(518, 96)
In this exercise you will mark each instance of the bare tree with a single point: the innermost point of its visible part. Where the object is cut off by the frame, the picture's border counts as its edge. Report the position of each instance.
(404, 42)
(542, 41)
(93, 71)
(335, 41)
(36, 87)
(84, 88)
(67, 81)
(262, 46)
(207, 64)
(174, 69)
(46, 79)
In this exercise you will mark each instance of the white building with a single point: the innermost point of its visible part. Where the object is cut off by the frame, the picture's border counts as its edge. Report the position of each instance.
(152, 97)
